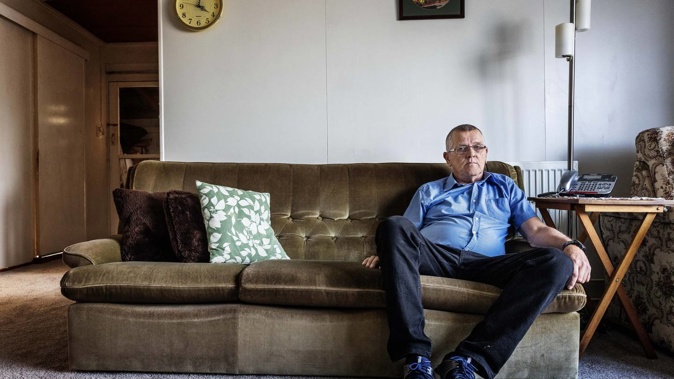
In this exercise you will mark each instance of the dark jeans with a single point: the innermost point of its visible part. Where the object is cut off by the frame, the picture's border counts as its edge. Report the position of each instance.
(529, 282)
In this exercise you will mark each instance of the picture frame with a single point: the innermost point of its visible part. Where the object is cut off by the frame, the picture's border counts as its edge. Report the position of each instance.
(430, 9)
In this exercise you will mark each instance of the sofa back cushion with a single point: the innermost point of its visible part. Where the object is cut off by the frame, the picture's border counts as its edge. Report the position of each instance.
(323, 211)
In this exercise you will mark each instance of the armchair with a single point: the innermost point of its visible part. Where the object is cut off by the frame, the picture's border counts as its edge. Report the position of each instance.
(650, 280)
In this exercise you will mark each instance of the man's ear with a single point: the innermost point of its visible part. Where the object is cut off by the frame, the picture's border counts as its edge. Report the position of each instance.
(445, 155)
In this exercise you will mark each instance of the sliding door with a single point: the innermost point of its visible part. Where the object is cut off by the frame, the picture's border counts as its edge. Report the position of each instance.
(16, 144)
(61, 149)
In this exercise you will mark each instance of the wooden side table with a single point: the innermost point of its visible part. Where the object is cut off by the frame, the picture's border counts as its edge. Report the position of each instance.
(588, 211)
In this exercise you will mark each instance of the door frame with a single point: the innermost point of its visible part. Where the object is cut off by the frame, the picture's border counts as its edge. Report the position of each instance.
(114, 83)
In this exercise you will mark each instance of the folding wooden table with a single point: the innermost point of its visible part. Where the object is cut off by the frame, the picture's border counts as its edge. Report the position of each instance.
(588, 210)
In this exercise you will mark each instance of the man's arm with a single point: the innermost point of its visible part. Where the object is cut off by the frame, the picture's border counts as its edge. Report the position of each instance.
(415, 213)
(540, 235)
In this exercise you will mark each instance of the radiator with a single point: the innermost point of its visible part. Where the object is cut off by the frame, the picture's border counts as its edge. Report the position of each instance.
(540, 177)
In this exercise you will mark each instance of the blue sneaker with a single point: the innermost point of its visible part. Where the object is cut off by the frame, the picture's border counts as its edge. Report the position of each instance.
(456, 367)
(421, 369)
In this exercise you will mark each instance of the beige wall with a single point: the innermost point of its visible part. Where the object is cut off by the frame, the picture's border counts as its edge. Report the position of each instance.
(131, 57)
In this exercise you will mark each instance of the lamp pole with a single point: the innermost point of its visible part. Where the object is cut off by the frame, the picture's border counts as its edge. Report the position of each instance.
(565, 47)
(572, 84)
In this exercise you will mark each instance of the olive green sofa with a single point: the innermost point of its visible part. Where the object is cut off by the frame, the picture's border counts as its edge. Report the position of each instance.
(319, 314)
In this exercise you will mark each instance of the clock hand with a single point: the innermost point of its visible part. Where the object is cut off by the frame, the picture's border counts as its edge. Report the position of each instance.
(196, 5)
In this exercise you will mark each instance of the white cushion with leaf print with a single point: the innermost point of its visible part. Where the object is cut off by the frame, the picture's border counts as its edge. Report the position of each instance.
(238, 225)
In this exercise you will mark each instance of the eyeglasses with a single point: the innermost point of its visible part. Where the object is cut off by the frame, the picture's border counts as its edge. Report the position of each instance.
(462, 149)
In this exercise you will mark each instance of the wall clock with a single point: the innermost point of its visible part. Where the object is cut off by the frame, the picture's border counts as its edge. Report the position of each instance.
(198, 14)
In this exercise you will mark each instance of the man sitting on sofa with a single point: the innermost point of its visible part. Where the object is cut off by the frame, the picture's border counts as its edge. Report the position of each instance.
(456, 227)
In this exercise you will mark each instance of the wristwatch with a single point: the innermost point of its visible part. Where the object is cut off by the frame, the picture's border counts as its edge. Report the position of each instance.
(574, 242)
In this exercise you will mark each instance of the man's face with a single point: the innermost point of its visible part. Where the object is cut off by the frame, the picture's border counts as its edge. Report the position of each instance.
(468, 167)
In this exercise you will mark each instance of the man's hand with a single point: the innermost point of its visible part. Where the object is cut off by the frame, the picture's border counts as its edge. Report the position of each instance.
(581, 266)
(371, 262)
(540, 235)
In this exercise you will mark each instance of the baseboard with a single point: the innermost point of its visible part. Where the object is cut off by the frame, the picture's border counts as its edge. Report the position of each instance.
(47, 257)
(36, 260)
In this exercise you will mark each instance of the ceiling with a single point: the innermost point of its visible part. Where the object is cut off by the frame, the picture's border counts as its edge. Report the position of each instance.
(113, 21)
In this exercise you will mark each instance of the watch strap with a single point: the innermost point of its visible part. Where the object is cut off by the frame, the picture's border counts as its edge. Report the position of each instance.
(574, 242)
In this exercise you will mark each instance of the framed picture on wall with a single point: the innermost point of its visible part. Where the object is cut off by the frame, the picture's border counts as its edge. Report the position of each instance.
(430, 9)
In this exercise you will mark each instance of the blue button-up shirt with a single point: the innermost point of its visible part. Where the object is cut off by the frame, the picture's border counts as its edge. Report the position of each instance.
(473, 217)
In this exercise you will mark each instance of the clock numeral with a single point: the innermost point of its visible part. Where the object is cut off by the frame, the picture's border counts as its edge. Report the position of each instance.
(200, 20)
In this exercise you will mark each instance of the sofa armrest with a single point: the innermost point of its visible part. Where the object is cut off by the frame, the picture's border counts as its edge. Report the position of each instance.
(98, 251)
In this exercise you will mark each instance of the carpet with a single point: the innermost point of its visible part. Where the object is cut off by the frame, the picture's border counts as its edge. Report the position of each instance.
(33, 342)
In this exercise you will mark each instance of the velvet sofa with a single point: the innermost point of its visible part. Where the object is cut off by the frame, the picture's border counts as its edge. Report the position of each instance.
(319, 313)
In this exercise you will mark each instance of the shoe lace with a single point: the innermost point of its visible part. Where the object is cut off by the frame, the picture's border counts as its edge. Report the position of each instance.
(462, 369)
(422, 366)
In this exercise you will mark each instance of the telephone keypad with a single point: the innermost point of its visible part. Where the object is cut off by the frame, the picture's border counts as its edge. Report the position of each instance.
(592, 185)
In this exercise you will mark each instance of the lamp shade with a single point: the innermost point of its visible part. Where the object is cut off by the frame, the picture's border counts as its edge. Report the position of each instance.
(564, 40)
(583, 12)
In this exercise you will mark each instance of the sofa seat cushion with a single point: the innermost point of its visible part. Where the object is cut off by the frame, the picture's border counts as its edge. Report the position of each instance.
(153, 282)
(312, 283)
(351, 285)
(463, 296)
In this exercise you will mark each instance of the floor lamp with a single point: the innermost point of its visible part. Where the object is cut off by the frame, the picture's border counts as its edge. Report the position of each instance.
(565, 47)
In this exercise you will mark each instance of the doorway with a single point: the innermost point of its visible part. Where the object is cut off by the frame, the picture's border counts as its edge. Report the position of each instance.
(133, 120)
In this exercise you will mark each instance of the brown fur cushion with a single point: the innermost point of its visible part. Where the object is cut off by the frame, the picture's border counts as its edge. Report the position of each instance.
(143, 225)
(186, 226)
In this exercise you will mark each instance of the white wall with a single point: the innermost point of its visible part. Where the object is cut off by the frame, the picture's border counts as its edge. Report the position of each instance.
(332, 81)
(624, 82)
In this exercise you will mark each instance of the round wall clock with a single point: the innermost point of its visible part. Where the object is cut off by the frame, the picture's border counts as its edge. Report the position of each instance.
(198, 14)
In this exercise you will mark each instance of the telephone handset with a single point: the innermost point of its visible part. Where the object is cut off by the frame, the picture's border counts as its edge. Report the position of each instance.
(586, 185)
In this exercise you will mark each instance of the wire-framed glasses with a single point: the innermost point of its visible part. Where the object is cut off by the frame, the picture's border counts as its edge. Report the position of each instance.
(462, 149)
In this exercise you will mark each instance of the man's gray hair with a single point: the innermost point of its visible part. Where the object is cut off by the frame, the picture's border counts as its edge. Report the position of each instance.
(460, 128)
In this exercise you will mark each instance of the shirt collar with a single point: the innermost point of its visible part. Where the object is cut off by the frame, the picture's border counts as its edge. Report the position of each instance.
(451, 181)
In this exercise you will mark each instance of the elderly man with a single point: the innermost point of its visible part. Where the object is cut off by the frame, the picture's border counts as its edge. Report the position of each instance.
(456, 227)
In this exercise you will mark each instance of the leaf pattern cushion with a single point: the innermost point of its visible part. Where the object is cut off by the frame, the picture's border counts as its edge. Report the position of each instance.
(238, 225)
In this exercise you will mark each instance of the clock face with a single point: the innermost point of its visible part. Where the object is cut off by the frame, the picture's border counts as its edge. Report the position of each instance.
(198, 14)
